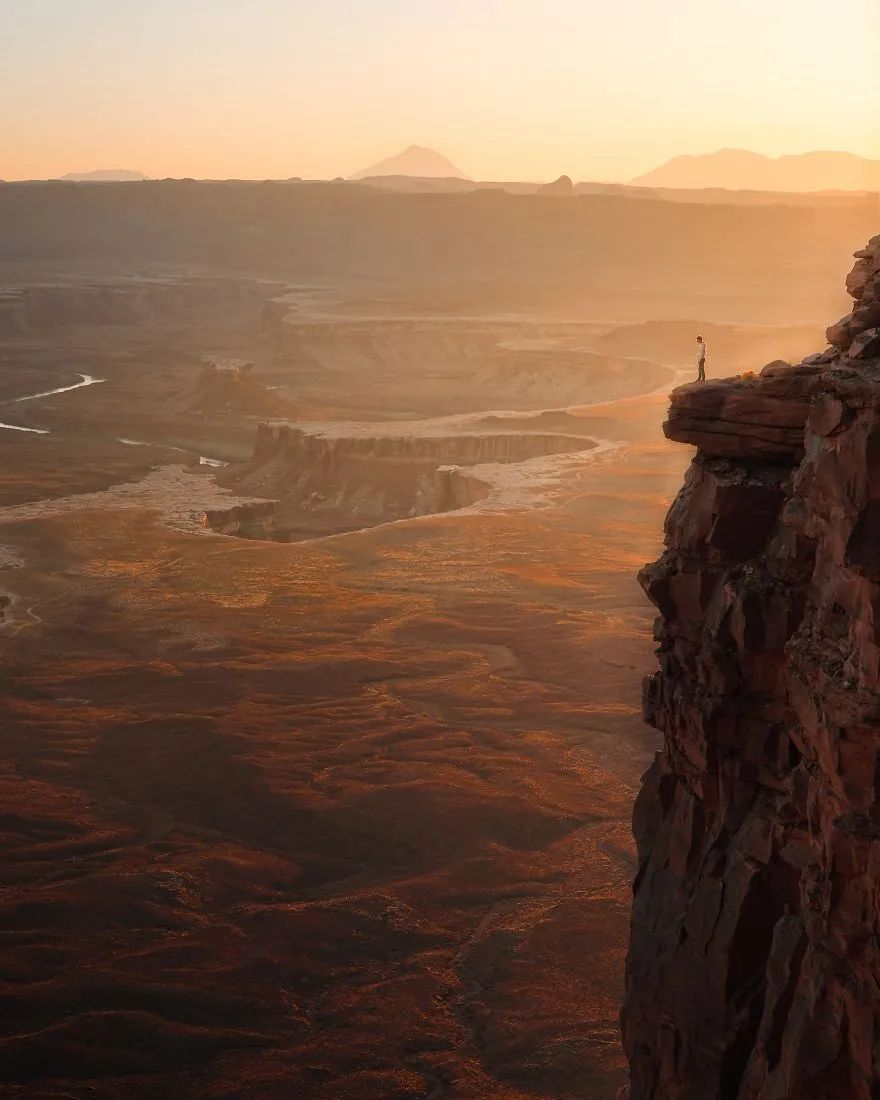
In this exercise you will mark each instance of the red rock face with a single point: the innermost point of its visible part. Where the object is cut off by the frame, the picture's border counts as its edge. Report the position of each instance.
(753, 970)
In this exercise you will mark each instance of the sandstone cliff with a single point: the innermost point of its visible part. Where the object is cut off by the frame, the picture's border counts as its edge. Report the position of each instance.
(754, 969)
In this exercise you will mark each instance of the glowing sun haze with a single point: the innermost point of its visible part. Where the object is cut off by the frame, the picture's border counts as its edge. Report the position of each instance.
(507, 89)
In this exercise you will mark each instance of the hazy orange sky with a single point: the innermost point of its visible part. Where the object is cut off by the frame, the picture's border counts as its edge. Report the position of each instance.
(507, 89)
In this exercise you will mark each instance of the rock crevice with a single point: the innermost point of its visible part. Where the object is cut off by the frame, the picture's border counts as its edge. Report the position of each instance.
(753, 969)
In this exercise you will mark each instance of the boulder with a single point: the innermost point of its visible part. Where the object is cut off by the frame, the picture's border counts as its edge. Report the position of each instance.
(866, 345)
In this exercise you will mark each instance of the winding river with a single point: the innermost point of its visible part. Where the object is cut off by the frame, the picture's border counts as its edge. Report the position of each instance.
(85, 380)
(88, 380)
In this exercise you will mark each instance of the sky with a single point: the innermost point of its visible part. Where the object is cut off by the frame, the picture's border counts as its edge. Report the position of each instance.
(507, 89)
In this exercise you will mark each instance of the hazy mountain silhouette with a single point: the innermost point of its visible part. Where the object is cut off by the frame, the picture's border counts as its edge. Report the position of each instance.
(414, 161)
(562, 186)
(740, 169)
(105, 175)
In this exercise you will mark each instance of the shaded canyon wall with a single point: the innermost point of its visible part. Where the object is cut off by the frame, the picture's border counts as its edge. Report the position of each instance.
(753, 969)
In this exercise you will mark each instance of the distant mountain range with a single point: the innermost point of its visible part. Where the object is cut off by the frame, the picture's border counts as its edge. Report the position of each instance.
(105, 175)
(739, 169)
(414, 161)
(726, 170)
(704, 195)
(712, 174)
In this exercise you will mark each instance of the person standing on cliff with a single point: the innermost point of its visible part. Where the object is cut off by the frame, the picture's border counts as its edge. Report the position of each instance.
(701, 359)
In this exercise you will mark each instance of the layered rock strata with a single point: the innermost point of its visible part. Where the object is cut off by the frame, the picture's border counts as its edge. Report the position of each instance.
(754, 969)
(293, 448)
(341, 477)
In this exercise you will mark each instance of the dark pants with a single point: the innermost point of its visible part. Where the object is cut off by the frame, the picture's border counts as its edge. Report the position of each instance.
(701, 371)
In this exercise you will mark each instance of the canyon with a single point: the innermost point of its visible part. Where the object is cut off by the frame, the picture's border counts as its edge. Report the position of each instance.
(299, 793)
(753, 969)
(320, 635)
(486, 253)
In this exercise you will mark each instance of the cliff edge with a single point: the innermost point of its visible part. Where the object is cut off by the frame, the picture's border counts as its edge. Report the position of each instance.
(753, 970)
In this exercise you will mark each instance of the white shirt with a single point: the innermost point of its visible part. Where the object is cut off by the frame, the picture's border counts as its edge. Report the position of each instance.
(701, 352)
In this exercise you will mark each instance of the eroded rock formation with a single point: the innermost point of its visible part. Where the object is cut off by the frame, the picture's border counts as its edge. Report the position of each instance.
(230, 388)
(292, 449)
(753, 969)
(343, 477)
(324, 479)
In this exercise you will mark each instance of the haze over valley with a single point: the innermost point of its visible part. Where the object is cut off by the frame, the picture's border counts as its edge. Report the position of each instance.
(322, 636)
(334, 439)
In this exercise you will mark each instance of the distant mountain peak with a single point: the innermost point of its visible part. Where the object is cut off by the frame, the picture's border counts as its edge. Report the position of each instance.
(105, 175)
(744, 170)
(415, 160)
(561, 186)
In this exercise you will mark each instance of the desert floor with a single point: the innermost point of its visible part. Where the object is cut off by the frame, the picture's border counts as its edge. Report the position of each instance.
(345, 817)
